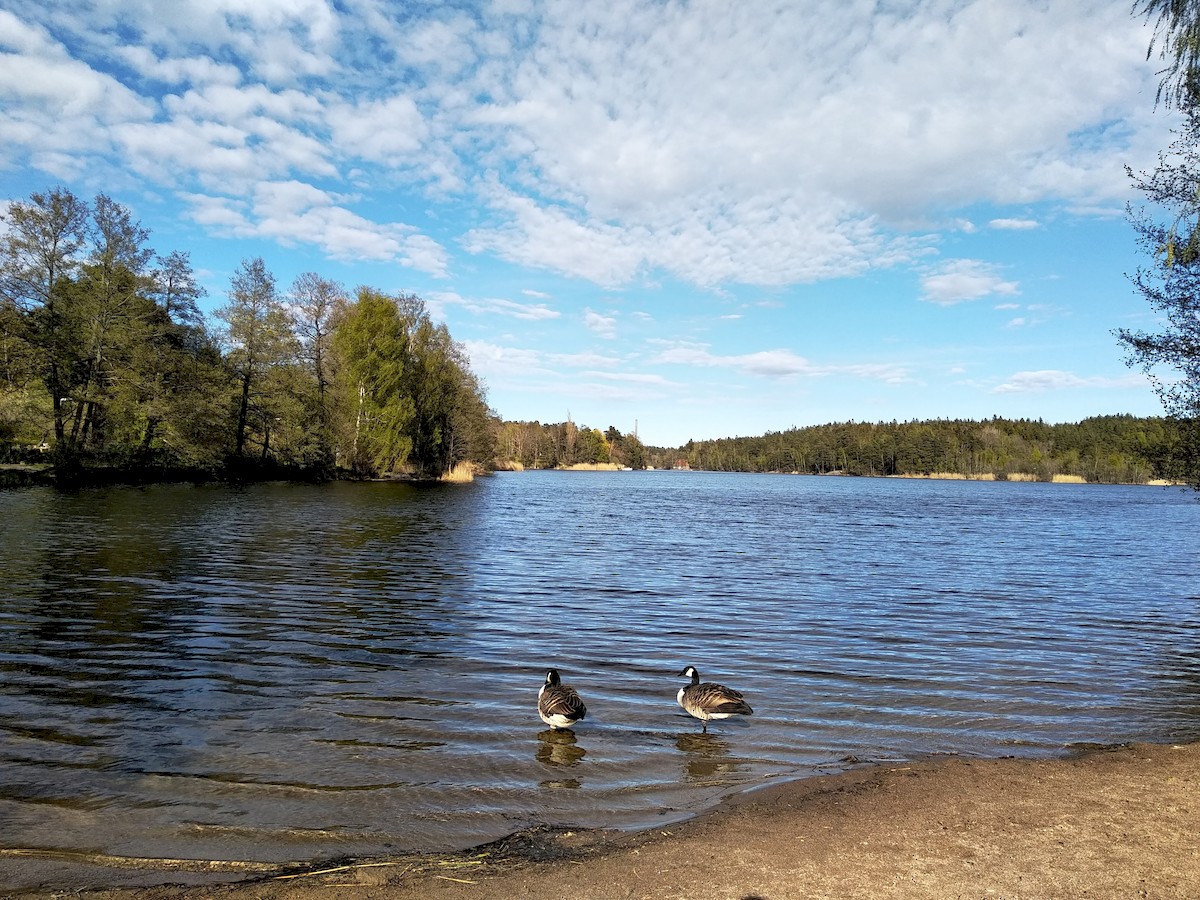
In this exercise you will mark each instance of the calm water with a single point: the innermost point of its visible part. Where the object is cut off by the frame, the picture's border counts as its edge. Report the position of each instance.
(289, 672)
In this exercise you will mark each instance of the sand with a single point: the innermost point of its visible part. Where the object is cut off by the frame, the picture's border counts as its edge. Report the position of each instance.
(1110, 823)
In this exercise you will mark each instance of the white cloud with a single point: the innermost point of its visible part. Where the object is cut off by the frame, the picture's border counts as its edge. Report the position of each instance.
(279, 41)
(1014, 224)
(56, 112)
(178, 70)
(888, 373)
(494, 361)
(600, 325)
(777, 364)
(388, 130)
(531, 312)
(528, 365)
(960, 280)
(643, 378)
(296, 213)
(1055, 380)
(585, 360)
(221, 213)
(871, 120)
(548, 237)
(718, 143)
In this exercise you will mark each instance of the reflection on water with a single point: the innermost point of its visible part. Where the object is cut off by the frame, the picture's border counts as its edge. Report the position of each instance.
(707, 758)
(290, 672)
(559, 748)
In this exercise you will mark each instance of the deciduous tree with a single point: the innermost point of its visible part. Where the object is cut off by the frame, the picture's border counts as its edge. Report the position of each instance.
(1177, 37)
(1168, 229)
(111, 311)
(314, 302)
(39, 250)
(371, 346)
(258, 338)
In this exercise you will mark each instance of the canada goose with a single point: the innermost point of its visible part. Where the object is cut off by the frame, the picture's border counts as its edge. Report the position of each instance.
(558, 704)
(710, 700)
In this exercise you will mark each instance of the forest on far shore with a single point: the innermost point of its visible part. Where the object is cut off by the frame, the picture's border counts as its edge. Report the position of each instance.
(1116, 449)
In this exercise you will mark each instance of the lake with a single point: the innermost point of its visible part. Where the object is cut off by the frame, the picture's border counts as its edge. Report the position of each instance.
(285, 672)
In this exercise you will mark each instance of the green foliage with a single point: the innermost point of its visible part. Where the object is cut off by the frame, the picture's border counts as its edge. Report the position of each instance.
(1116, 449)
(40, 249)
(591, 447)
(538, 446)
(315, 302)
(371, 343)
(1167, 228)
(408, 396)
(258, 341)
(1177, 33)
(106, 360)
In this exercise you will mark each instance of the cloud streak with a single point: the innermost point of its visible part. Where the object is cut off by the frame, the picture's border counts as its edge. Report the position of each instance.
(779, 364)
(961, 280)
(1055, 380)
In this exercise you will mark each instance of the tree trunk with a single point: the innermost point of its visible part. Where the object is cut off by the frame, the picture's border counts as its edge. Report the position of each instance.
(243, 415)
(148, 436)
(362, 394)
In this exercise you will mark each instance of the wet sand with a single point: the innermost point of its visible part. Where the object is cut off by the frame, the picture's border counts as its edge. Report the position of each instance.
(1111, 823)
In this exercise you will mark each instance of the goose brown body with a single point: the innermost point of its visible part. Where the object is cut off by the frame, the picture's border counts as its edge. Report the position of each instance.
(709, 700)
(559, 705)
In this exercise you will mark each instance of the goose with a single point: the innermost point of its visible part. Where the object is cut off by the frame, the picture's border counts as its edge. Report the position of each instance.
(710, 700)
(559, 706)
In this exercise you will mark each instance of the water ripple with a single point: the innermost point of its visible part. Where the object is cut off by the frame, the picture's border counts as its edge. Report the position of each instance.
(285, 671)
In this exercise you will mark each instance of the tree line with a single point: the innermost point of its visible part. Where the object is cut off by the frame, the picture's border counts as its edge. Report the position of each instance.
(107, 362)
(1109, 449)
(533, 445)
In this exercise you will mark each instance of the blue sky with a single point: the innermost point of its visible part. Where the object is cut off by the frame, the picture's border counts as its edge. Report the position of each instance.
(699, 219)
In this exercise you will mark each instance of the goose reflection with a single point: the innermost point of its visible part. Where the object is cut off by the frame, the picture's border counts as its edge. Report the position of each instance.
(559, 748)
(707, 756)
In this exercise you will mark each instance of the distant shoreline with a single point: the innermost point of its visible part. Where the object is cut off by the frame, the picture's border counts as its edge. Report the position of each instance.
(919, 476)
(15, 475)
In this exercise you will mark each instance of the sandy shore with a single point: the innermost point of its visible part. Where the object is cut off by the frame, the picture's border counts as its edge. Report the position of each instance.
(1113, 823)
